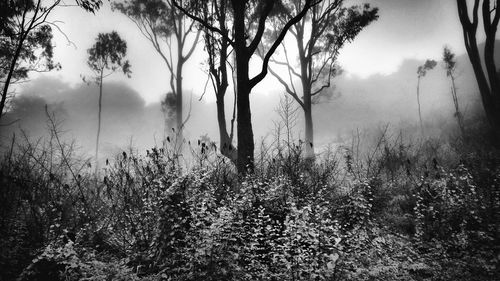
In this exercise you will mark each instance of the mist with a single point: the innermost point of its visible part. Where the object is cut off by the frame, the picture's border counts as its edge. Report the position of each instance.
(357, 103)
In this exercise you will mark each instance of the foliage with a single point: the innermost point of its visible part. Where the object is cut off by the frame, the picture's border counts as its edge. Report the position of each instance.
(449, 60)
(108, 53)
(26, 40)
(428, 65)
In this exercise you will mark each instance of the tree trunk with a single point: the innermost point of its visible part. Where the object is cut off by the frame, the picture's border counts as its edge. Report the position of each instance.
(489, 98)
(178, 98)
(244, 118)
(98, 125)
(458, 114)
(309, 137)
(309, 134)
(419, 110)
(305, 62)
(226, 146)
(489, 61)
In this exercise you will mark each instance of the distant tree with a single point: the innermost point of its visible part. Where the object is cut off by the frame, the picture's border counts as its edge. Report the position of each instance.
(489, 82)
(248, 22)
(319, 37)
(106, 56)
(421, 71)
(26, 40)
(450, 65)
(169, 32)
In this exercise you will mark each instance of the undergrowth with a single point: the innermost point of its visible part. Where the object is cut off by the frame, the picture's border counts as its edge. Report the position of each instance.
(390, 210)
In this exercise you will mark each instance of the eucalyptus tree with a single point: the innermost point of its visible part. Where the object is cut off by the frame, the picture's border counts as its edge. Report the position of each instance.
(489, 80)
(106, 56)
(450, 65)
(26, 39)
(247, 25)
(218, 66)
(319, 36)
(421, 72)
(171, 34)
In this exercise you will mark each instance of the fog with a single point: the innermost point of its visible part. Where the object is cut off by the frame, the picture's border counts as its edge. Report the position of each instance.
(357, 104)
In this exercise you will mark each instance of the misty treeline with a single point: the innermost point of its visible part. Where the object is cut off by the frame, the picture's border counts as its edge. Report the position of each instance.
(382, 206)
(233, 33)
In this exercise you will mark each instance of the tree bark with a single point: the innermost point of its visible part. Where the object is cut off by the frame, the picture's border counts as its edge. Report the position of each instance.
(245, 163)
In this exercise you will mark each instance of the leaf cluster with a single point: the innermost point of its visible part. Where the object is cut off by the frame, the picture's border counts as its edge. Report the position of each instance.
(449, 60)
(156, 15)
(428, 65)
(108, 53)
(34, 46)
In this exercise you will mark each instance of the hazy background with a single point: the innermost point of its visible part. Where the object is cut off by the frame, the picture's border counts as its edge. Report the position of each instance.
(377, 87)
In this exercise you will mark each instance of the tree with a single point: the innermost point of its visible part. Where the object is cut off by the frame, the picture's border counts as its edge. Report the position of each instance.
(489, 82)
(319, 37)
(450, 66)
(106, 56)
(26, 40)
(217, 47)
(160, 22)
(421, 71)
(249, 19)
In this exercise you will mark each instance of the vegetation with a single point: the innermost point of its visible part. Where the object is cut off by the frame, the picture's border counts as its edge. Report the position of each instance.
(26, 40)
(383, 206)
(371, 210)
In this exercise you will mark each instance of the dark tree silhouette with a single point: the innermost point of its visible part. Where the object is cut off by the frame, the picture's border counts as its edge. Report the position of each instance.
(489, 81)
(319, 37)
(160, 22)
(450, 65)
(421, 72)
(26, 40)
(249, 20)
(106, 56)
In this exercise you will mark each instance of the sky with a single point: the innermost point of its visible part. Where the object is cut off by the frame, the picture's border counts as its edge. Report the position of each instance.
(406, 29)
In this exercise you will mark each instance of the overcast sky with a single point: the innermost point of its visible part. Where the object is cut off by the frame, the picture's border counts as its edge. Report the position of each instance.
(406, 29)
